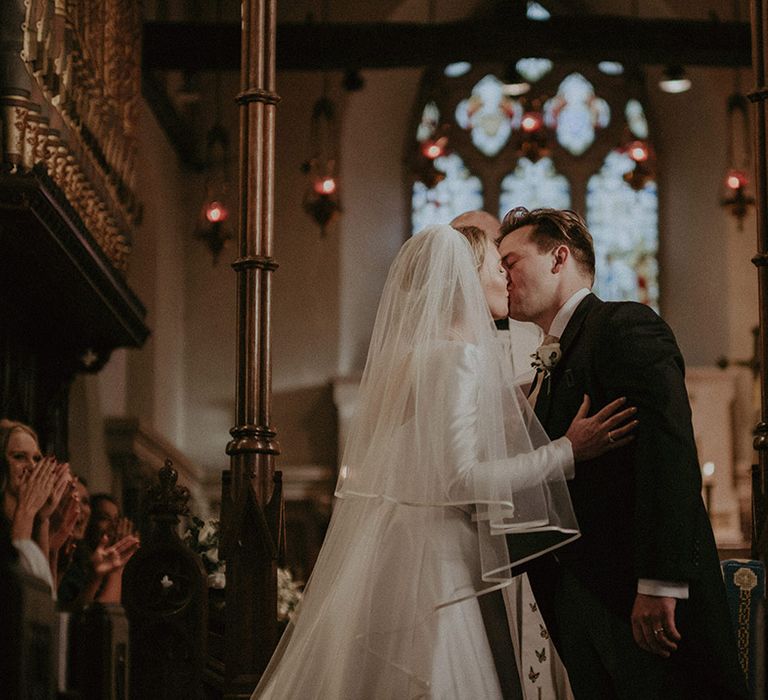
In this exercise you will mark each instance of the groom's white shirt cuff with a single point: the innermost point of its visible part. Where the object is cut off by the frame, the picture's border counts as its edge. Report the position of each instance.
(666, 589)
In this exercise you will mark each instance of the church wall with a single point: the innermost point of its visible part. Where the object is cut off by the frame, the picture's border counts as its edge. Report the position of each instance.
(155, 378)
(377, 216)
(708, 284)
(377, 212)
(87, 449)
(209, 310)
(305, 309)
(306, 285)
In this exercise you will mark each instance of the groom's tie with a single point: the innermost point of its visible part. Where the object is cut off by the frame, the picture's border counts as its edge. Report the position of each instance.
(538, 380)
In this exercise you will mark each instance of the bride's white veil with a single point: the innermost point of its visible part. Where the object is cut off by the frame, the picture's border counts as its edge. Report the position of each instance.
(440, 492)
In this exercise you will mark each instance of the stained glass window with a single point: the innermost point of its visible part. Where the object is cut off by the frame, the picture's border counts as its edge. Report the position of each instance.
(489, 114)
(456, 70)
(533, 69)
(610, 67)
(566, 144)
(460, 191)
(575, 112)
(430, 118)
(624, 223)
(534, 185)
(537, 12)
(636, 120)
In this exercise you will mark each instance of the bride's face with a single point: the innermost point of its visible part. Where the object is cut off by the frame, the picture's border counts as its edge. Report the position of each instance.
(493, 277)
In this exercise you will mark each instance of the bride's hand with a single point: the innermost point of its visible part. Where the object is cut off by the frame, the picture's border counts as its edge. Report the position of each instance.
(609, 429)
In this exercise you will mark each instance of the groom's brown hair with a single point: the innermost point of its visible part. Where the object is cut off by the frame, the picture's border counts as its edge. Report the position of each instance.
(552, 227)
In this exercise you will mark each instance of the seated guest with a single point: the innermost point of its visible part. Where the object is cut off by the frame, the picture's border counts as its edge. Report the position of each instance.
(31, 487)
(96, 571)
(105, 515)
(64, 521)
(109, 527)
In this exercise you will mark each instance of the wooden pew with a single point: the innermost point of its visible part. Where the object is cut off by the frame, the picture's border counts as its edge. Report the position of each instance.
(166, 600)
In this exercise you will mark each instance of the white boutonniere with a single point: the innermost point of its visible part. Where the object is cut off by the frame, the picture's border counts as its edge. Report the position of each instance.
(546, 357)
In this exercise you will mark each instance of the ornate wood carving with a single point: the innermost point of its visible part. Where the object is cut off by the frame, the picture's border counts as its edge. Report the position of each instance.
(69, 99)
(166, 600)
(65, 307)
(69, 91)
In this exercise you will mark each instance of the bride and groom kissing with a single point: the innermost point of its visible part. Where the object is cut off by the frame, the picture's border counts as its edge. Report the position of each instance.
(453, 481)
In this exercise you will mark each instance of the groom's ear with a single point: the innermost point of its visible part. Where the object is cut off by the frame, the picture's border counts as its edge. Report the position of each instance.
(559, 256)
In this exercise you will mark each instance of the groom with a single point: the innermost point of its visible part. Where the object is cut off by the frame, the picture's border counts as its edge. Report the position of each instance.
(636, 606)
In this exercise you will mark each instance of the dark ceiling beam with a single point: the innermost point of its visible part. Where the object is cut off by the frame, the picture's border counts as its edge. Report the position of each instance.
(208, 46)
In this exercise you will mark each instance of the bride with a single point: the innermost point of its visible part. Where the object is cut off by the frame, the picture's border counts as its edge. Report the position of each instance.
(444, 465)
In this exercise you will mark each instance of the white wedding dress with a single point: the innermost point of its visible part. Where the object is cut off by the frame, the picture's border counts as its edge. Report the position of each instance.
(440, 467)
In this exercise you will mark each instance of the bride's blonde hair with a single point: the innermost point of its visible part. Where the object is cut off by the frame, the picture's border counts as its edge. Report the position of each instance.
(478, 240)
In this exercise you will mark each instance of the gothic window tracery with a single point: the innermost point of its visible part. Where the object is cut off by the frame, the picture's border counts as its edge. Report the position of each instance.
(575, 112)
(534, 185)
(567, 143)
(624, 223)
(458, 192)
(489, 115)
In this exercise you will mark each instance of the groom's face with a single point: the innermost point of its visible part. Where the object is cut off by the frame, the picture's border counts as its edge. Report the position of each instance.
(530, 279)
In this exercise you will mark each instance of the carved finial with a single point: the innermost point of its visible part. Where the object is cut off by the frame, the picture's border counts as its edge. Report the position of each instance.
(167, 497)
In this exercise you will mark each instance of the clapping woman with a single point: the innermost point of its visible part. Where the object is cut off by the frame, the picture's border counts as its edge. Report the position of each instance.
(31, 486)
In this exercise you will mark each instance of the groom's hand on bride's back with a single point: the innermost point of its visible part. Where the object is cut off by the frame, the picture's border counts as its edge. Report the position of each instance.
(610, 428)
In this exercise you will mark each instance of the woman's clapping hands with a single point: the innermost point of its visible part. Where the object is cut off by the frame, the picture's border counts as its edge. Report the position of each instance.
(62, 479)
(36, 488)
(37, 485)
(64, 517)
(107, 559)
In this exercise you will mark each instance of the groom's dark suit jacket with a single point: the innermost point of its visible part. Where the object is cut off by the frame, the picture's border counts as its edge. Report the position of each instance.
(639, 507)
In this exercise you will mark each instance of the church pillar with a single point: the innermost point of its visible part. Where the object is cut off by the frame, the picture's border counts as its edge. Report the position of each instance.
(251, 494)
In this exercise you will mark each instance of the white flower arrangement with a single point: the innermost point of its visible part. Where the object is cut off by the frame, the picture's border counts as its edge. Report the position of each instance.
(546, 357)
(203, 539)
(289, 594)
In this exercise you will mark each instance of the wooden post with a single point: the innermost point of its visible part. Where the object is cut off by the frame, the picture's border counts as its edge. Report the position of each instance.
(251, 507)
(759, 96)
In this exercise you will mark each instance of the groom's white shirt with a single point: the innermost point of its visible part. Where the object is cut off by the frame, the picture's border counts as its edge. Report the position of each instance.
(563, 316)
(670, 589)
